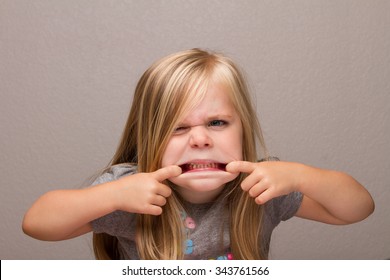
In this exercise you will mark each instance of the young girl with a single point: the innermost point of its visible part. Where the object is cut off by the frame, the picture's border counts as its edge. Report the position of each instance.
(186, 183)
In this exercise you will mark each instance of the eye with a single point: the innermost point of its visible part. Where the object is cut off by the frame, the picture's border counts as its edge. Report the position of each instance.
(217, 123)
(180, 130)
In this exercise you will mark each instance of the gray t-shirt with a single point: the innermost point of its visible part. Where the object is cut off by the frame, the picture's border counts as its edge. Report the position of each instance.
(206, 225)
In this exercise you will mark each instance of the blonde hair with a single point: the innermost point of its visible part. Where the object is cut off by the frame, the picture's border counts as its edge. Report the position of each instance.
(168, 90)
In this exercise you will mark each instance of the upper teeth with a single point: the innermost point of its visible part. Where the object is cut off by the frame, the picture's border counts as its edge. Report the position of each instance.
(203, 165)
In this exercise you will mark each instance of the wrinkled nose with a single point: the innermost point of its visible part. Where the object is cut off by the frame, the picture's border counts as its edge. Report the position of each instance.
(200, 138)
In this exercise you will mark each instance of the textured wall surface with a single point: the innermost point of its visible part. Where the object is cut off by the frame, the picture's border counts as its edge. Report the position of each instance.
(319, 69)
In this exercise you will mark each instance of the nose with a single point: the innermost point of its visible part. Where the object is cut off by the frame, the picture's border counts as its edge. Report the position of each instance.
(200, 138)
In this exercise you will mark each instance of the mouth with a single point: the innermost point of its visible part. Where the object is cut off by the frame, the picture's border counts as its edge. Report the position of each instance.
(203, 166)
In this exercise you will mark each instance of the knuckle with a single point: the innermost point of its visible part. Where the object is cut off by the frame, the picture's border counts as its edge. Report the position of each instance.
(244, 186)
(266, 182)
(252, 192)
(169, 191)
(153, 187)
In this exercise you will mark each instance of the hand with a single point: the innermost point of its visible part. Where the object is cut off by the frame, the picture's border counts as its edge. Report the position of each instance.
(145, 193)
(268, 179)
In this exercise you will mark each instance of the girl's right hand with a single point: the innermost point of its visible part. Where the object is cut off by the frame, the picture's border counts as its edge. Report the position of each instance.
(144, 193)
(64, 214)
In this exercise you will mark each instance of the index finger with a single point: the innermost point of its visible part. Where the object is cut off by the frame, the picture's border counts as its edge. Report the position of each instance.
(240, 166)
(166, 172)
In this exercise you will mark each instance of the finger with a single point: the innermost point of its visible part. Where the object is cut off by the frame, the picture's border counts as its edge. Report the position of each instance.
(166, 172)
(251, 181)
(240, 166)
(257, 189)
(264, 197)
(159, 200)
(164, 190)
(153, 210)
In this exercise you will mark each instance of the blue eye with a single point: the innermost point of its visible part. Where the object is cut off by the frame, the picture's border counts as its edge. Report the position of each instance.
(217, 123)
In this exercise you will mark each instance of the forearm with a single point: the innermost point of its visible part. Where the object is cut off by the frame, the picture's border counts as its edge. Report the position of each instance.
(64, 214)
(341, 195)
(60, 214)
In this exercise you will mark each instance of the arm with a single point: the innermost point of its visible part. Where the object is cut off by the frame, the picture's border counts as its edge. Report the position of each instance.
(64, 214)
(332, 197)
(329, 196)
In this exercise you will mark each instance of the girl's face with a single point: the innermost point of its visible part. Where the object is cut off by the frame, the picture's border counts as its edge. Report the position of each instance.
(205, 140)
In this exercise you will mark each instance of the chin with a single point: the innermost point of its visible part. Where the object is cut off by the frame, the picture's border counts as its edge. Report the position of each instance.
(203, 182)
(203, 186)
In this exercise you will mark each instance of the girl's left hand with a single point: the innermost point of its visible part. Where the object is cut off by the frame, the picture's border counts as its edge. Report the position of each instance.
(268, 179)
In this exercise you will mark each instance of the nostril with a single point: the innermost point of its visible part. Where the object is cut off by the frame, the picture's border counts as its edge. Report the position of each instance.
(200, 141)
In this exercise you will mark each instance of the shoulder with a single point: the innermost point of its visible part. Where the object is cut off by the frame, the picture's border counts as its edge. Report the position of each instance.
(283, 207)
(115, 172)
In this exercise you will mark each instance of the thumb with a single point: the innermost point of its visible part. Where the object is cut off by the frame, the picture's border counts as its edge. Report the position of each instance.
(166, 172)
(240, 166)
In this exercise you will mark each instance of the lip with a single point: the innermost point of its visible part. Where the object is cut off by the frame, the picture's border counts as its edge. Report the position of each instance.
(202, 165)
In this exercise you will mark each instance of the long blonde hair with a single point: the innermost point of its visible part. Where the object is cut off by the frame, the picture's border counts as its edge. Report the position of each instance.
(168, 90)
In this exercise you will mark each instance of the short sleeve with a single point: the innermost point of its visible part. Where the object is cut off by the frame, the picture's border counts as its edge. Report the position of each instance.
(284, 207)
(117, 223)
(115, 172)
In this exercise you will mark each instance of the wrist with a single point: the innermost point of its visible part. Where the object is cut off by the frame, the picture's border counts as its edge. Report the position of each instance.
(115, 194)
(305, 176)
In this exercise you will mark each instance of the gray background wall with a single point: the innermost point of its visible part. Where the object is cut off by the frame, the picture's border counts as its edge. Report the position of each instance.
(320, 71)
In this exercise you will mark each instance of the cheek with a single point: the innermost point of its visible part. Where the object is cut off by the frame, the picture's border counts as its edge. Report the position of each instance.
(230, 147)
(171, 153)
(233, 143)
(166, 157)
(237, 149)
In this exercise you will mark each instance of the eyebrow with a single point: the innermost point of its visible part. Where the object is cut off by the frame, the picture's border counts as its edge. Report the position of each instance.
(215, 117)
(219, 116)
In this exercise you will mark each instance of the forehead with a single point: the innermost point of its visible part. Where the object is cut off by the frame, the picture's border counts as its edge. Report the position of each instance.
(216, 101)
